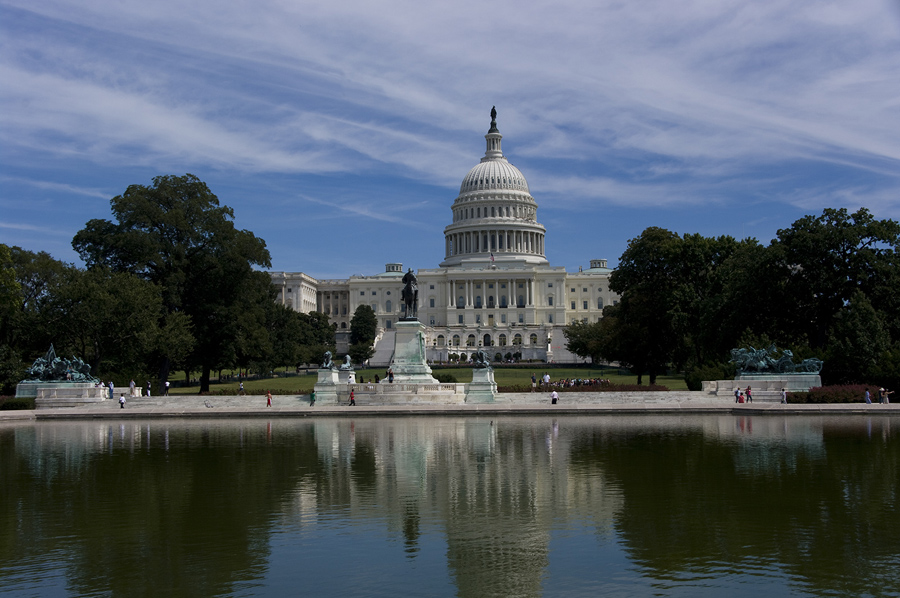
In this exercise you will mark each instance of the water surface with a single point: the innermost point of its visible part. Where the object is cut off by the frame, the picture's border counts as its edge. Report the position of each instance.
(515, 506)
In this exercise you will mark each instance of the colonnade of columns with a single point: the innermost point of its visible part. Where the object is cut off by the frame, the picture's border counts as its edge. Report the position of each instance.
(494, 240)
(470, 291)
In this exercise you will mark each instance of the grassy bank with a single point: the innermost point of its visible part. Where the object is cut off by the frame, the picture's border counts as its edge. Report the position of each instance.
(504, 376)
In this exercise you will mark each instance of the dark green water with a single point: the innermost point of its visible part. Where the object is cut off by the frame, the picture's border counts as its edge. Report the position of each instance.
(572, 506)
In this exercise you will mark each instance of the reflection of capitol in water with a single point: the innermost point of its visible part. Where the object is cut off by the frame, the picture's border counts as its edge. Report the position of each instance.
(497, 491)
(498, 500)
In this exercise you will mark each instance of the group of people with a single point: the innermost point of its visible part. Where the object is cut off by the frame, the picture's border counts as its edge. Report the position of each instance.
(740, 397)
(884, 396)
(568, 382)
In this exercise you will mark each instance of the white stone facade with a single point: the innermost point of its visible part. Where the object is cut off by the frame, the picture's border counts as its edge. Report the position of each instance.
(495, 288)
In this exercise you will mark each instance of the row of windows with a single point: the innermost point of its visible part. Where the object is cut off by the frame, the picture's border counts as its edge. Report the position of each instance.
(501, 211)
(486, 340)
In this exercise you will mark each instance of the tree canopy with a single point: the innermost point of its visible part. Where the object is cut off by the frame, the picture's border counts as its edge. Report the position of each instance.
(175, 235)
(826, 286)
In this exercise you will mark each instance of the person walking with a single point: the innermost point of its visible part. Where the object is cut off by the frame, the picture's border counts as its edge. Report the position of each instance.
(783, 396)
(554, 397)
(868, 397)
(749, 396)
(737, 395)
(268, 398)
(352, 400)
(122, 401)
(148, 388)
(241, 390)
(312, 398)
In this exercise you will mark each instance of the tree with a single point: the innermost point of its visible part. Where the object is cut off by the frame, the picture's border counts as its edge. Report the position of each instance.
(583, 339)
(363, 328)
(175, 234)
(824, 260)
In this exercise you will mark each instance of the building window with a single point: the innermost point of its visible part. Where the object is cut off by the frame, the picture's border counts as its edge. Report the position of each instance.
(387, 306)
(599, 302)
(521, 318)
(491, 286)
(550, 300)
(583, 303)
(470, 340)
(502, 340)
(521, 285)
(431, 287)
(521, 302)
(461, 301)
(573, 305)
(387, 324)
(533, 339)
(431, 320)
(290, 290)
(460, 319)
(373, 292)
(503, 318)
(440, 340)
(362, 293)
(431, 302)
(477, 318)
(455, 340)
(549, 318)
(549, 285)
(343, 324)
(388, 293)
(584, 290)
(573, 290)
(478, 301)
(374, 307)
(517, 339)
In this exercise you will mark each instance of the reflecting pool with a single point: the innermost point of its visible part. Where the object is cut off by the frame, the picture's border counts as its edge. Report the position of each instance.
(424, 506)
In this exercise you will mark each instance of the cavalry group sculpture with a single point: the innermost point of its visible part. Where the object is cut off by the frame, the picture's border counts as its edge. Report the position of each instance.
(769, 361)
(410, 296)
(51, 368)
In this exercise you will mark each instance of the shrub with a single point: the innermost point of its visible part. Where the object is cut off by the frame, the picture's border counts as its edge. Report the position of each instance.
(12, 404)
(446, 378)
(840, 393)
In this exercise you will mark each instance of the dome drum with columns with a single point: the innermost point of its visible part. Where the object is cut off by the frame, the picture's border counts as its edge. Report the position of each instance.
(494, 289)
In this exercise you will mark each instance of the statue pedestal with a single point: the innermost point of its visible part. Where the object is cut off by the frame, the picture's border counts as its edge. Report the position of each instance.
(409, 362)
(346, 376)
(483, 388)
(64, 394)
(326, 387)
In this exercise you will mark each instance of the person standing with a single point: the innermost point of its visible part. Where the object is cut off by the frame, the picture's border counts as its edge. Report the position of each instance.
(131, 387)
(783, 396)
(148, 388)
(122, 401)
(546, 379)
(737, 395)
(533, 382)
(268, 398)
(112, 389)
(167, 388)
(749, 396)
(312, 398)
(881, 395)
(391, 375)
(554, 397)
(868, 397)
(352, 399)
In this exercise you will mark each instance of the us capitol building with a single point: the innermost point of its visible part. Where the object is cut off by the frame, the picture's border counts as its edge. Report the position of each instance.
(495, 288)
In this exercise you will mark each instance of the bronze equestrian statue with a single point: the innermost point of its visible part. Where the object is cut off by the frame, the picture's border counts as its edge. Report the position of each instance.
(410, 296)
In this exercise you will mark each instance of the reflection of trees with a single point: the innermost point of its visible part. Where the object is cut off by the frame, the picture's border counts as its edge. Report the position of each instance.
(137, 515)
(694, 502)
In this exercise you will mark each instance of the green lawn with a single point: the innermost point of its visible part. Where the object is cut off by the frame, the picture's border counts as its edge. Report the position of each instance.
(303, 383)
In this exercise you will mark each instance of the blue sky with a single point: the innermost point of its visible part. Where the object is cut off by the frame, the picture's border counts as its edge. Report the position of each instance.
(339, 132)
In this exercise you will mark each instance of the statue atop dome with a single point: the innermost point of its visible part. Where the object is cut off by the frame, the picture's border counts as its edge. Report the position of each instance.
(493, 116)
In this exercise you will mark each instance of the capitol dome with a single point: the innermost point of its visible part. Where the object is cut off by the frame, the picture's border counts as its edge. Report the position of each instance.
(494, 216)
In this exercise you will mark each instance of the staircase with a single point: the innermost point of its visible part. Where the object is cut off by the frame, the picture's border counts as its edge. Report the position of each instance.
(384, 350)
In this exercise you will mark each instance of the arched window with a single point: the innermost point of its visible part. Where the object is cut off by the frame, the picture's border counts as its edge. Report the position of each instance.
(521, 301)
(387, 306)
(502, 340)
(374, 307)
(470, 340)
(599, 302)
(487, 340)
(490, 301)
(343, 324)
(532, 339)
(517, 339)
(455, 340)
(461, 302)
(478, 301)
(502, 300)
(440, 340)
(550, 300)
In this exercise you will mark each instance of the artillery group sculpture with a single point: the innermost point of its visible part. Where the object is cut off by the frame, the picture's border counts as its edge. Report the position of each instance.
(771, 361)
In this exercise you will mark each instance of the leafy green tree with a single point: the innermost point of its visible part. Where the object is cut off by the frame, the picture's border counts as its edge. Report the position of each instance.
(857, 340)
(363, 328)
(823, 260)
(175, 234)
(583, 339)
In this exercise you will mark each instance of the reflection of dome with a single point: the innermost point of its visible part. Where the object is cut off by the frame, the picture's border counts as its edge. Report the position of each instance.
(494, 216)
